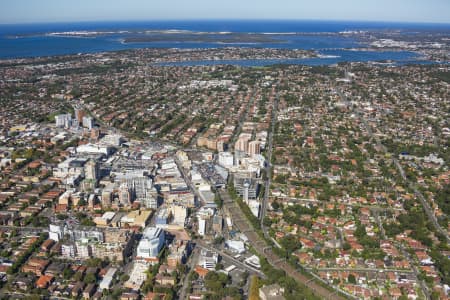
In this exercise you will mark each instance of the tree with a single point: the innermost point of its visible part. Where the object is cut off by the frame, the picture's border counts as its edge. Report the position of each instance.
(435, 295)
(95, 262)
(90, 278)
(219, 266)
(215, 282)
(267, 221)
(78, 276)
(346, 246)
(193, 276)
(218, 240)
(275, 205)
(351, 279)
(61, 216)
(68, 273)
(290, 243)
(5, 253)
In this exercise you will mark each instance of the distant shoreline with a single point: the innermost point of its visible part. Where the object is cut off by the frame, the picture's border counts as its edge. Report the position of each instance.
(57, 39)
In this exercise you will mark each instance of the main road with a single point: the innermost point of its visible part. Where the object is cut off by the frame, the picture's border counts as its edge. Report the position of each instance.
(190, 266)
(244, 116)
(268, 168)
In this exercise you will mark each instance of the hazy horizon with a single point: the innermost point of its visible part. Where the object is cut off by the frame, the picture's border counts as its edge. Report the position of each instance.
(386, 11)
(354, 21)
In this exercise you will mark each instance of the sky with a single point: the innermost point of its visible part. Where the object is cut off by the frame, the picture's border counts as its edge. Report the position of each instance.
(39, 11)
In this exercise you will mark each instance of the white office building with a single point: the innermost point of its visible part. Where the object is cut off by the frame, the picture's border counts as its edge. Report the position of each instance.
(105, 284)
(235, 246)
(95, 149)
(142, 188)
(208, 259)
(140, 185)
(201, 226)
(88, 122)
(253, 261)
(151, 243)
(68, 250)
(179, 214)
(56, 232)
(226, 159)
(84, 249)
(255, 207)
(63, 120)
(71, 167)
(112, 140)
